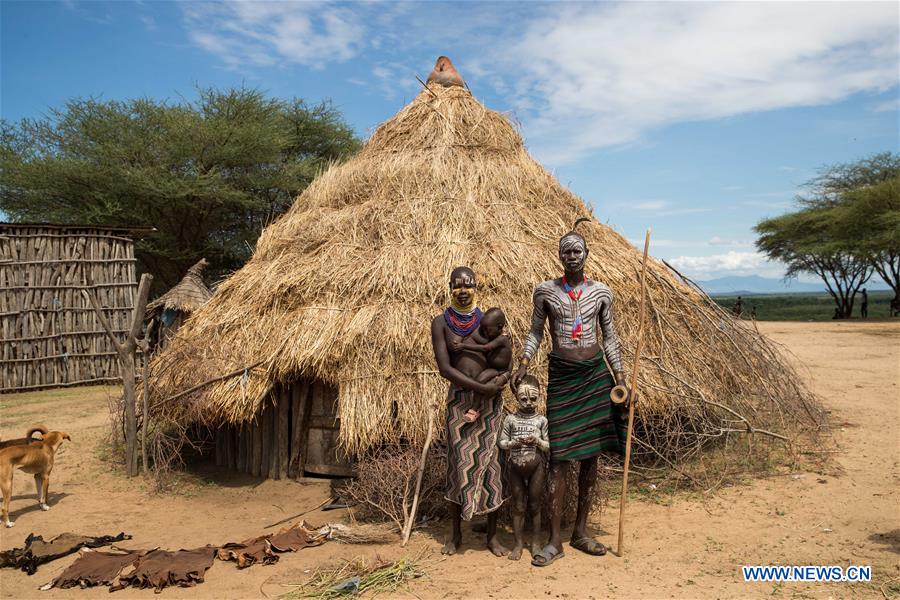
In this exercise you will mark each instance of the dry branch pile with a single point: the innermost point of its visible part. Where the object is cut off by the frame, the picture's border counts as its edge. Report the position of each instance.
(385, 486)
(343, 288)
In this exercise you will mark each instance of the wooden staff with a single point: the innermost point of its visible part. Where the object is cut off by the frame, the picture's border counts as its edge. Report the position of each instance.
(407, 528)
(634, 396)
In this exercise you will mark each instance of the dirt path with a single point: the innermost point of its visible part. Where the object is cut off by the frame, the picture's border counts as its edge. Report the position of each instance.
(691, 547)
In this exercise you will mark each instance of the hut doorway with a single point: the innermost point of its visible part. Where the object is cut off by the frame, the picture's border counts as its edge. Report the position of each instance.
(294, 434)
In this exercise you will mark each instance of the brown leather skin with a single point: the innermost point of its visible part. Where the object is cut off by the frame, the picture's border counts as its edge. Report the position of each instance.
(161, 568)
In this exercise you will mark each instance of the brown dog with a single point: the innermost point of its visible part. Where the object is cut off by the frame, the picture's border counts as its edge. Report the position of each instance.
(35, 458)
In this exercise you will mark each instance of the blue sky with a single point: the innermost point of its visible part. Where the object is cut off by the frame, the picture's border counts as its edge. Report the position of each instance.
(695, 119)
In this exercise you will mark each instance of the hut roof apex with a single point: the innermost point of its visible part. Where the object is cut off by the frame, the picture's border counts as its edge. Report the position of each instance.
(187, 296)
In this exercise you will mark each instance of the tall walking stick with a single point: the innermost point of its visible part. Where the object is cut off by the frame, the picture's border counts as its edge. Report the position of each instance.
(411, 518)
(634, 397)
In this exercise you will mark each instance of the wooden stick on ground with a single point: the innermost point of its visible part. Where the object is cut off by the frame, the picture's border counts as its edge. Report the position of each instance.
(411, 519)
(634, 397)
(300, 514)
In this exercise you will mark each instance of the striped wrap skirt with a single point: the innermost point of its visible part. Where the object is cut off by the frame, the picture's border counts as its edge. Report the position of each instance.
(579, 411)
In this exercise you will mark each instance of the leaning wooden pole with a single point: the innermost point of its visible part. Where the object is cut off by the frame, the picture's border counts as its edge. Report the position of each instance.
(411, 518)
(125, 350)
(144, 345)
(634, 396)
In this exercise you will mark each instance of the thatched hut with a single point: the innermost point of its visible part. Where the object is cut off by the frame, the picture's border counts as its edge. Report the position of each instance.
(166, 314)
(330, 316)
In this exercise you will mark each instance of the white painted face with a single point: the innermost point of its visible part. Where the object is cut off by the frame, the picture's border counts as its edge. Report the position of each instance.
(573, 252)
(528, 396)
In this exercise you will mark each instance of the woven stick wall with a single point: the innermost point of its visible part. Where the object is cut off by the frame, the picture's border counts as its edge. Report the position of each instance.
(49, 334)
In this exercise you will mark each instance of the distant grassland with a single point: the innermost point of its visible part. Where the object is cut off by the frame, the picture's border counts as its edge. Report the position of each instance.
(804, 307)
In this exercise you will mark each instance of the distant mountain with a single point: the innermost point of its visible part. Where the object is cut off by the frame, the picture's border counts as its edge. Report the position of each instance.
(754, 284)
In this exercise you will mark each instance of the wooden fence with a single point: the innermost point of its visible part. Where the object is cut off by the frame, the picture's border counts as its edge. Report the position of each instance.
(49, 334)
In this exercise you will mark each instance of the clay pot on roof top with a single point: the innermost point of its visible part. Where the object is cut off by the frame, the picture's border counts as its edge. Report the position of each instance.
(445, 73)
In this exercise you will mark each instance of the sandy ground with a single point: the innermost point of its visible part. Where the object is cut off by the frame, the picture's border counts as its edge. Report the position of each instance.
(690, 546)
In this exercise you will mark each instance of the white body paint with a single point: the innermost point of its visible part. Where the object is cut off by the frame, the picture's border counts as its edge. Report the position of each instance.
(595, 305)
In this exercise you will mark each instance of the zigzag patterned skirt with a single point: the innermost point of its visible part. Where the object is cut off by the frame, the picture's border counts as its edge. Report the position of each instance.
(579, 411)
(474, 475)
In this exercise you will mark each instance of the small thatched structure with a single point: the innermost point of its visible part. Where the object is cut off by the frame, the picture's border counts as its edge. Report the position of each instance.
(167, 313)
(342, 288)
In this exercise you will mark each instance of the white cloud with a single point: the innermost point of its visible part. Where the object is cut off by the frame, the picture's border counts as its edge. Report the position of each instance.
(664, 243)
(89, 11)
(729, 263)
(719, 241)
(606, 73)
(660, 208)
(393, 78)
(650, 205)
(892, 104)
(582, 76)
(775, 194)
(267, 33)
(690, 243)
(682, 211)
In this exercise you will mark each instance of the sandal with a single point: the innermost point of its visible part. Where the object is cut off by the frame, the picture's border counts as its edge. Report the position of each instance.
(588, 546)
(547, 555)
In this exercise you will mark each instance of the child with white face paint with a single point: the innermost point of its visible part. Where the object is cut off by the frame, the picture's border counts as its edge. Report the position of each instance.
(525, 436)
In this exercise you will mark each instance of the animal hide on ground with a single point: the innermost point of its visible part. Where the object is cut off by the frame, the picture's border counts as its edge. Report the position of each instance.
(37, 551)
(161, 568)
(94, 568)
(262, 549)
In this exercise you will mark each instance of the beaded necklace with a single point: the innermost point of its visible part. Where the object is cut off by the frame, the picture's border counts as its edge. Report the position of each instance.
(575, 294)
(462, 324)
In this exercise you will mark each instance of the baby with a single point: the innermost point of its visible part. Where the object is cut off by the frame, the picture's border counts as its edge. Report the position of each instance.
(489, 340)
(525, 435)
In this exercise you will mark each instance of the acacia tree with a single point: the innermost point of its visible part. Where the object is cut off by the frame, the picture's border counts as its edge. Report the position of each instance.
(848, 225)
(809, 241)
(831, 185)
(207, 174)
(870, 218)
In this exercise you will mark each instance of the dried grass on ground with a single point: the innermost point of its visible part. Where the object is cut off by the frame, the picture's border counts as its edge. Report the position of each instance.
(360, 576)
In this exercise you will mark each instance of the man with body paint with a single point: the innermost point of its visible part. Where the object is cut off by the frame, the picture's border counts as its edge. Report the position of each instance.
(579, 409)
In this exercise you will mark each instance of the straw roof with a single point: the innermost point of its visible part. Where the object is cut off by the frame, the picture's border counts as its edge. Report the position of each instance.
(343, 288)
(187, 296)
